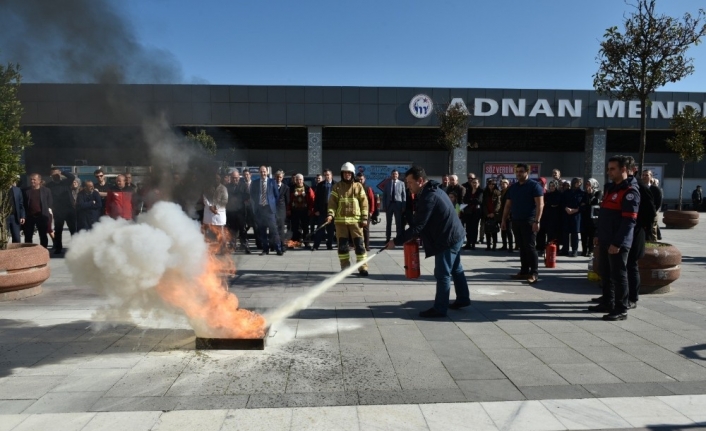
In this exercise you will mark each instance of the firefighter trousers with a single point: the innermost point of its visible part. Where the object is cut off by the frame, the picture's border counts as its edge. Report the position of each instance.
(345, 233)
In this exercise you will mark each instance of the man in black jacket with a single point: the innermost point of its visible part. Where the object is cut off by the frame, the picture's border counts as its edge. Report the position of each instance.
(282, 205)
(436, 223)
(323, 192)
(238, 199)
(697, 198)
(37, 203)
(63, 208)
(653, 234)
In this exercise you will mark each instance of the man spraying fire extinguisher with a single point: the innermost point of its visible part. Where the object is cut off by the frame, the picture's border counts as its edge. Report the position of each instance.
(442, 234)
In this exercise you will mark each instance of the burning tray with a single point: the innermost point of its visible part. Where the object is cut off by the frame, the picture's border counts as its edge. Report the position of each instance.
(232, 343)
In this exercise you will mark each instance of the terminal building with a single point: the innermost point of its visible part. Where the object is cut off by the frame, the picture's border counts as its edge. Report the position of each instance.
(306, 129)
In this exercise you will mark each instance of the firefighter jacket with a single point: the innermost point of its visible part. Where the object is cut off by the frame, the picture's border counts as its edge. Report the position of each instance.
(618, 214)
(348, 203)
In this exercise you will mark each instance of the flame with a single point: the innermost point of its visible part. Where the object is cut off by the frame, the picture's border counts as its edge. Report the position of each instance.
(211, 309)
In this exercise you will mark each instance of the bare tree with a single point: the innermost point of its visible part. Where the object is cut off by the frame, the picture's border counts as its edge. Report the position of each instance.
(649, 53)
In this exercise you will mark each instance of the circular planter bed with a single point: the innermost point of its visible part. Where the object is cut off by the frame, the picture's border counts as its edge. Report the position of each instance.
(660, 266)
(23, 269)
(674, 219)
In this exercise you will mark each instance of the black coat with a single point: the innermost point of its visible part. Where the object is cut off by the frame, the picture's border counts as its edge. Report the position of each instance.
(88, 209)
(572, 199)
(61, 193)
(283, 201)
(435, 221)
(320, 199)
(45, 199)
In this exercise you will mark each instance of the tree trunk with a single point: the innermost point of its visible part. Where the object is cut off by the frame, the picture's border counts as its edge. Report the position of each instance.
(643, 133)
(451, 162)
(681, 183)
(5, 208)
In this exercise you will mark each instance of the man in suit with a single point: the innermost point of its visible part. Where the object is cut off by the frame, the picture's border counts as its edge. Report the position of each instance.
(37, 202)
(322, 195)
(282, 205)
(394, 199)
(17, 216)
(264, 196)
(63, 209)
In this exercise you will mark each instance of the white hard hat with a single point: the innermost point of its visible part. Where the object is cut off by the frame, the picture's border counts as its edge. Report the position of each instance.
(348, 167)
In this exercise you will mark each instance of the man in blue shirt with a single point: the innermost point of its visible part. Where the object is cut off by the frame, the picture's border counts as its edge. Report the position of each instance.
(525, 201)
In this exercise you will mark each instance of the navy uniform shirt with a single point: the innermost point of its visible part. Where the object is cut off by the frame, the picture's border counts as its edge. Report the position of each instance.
(618, 214)
(522, 197)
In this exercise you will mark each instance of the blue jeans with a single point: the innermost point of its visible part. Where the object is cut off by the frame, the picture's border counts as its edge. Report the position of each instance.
(448, 266)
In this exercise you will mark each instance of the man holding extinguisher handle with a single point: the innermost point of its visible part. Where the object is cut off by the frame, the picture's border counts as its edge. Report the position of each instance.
(442, 234)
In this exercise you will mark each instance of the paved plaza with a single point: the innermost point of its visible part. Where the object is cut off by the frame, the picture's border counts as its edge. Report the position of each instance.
(521, 357)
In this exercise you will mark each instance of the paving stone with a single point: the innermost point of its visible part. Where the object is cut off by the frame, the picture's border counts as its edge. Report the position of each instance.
(456, 416)
(579, 374)
(64, 402)
(117, 421)
(522, 415)
(531, 340)
(55, 421)
(585, 414)
(633, 372)
(29, 387)
(607, 353)
(555, 392)
(325, 418)
(532, 375)
(13, 407)
(90, 380)
(685, 388)
(628, 389)
(210, 420)
(258, 420)
(490, 390)
(309, 399)
(126, 404)
(559, 355)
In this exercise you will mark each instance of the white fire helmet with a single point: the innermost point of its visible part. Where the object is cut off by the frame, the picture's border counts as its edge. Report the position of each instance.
(348, 167)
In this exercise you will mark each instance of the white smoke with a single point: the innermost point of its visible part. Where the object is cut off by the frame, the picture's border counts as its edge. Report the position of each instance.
(125, 261)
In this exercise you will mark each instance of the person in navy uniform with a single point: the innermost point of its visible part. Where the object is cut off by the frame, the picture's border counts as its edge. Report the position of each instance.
(616, 224)
(17, 215)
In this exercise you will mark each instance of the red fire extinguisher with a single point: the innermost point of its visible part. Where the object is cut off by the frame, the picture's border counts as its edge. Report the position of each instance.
(550, 255)
(411, 259)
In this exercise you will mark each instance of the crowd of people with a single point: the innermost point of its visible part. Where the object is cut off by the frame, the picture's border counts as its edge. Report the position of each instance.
(528, 214)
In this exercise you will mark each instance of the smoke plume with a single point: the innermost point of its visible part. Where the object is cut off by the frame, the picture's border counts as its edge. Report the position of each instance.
(79, 41)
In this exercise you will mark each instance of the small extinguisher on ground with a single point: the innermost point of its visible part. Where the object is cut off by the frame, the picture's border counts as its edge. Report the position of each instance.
(411, 259)
(550, 255)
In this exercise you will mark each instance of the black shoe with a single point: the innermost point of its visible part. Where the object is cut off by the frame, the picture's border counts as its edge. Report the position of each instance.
(329, 247)
(503, 247)
(307, 247)
(280, 252)
(616, 315)
(572, 254)
(247, 251)
(473, 246)
(456, 305)
(600, 308)
(431, 313)
(363, 272)
(59, 251)
(264, 252)
(597, 299)
(632, 305)
(466, 247)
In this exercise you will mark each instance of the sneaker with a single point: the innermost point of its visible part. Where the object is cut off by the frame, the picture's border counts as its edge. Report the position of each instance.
(363, 272)
(458, 304)
(632, 305)
(431, 313)
(520, 276)
(600, 308)
(533, 279)
(616, 315)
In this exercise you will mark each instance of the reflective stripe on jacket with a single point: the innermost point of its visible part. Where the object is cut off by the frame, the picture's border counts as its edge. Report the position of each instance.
(348, 203)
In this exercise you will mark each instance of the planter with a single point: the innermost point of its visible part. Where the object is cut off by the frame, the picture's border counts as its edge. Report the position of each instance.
(675, 219)
(23, 269)
(660, 266)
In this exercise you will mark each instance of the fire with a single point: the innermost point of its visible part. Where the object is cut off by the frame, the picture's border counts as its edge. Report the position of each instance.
(211, 309)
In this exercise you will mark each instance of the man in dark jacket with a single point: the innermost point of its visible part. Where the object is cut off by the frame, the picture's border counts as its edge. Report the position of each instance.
(616, 225)
(37, 203)
(282, 204)
(88, 206)
(17, 217)
(436, 223)
(63, 208)
(656, 197)
(321, 197)
(697, 198)
(238, 199)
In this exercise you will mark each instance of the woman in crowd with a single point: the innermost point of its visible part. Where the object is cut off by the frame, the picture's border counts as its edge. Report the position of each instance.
(551, 216)
(472, 213)
(491, 209)
(571, 204)
(506, 234)
(589, 215)
(88, 206)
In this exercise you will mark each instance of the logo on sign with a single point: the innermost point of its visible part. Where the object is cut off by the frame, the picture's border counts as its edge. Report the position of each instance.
(421, 106)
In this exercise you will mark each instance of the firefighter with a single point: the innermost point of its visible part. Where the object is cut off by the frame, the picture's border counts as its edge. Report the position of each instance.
(348, 209)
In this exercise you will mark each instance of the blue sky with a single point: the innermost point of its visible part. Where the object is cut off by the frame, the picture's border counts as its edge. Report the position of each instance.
(441, 43)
